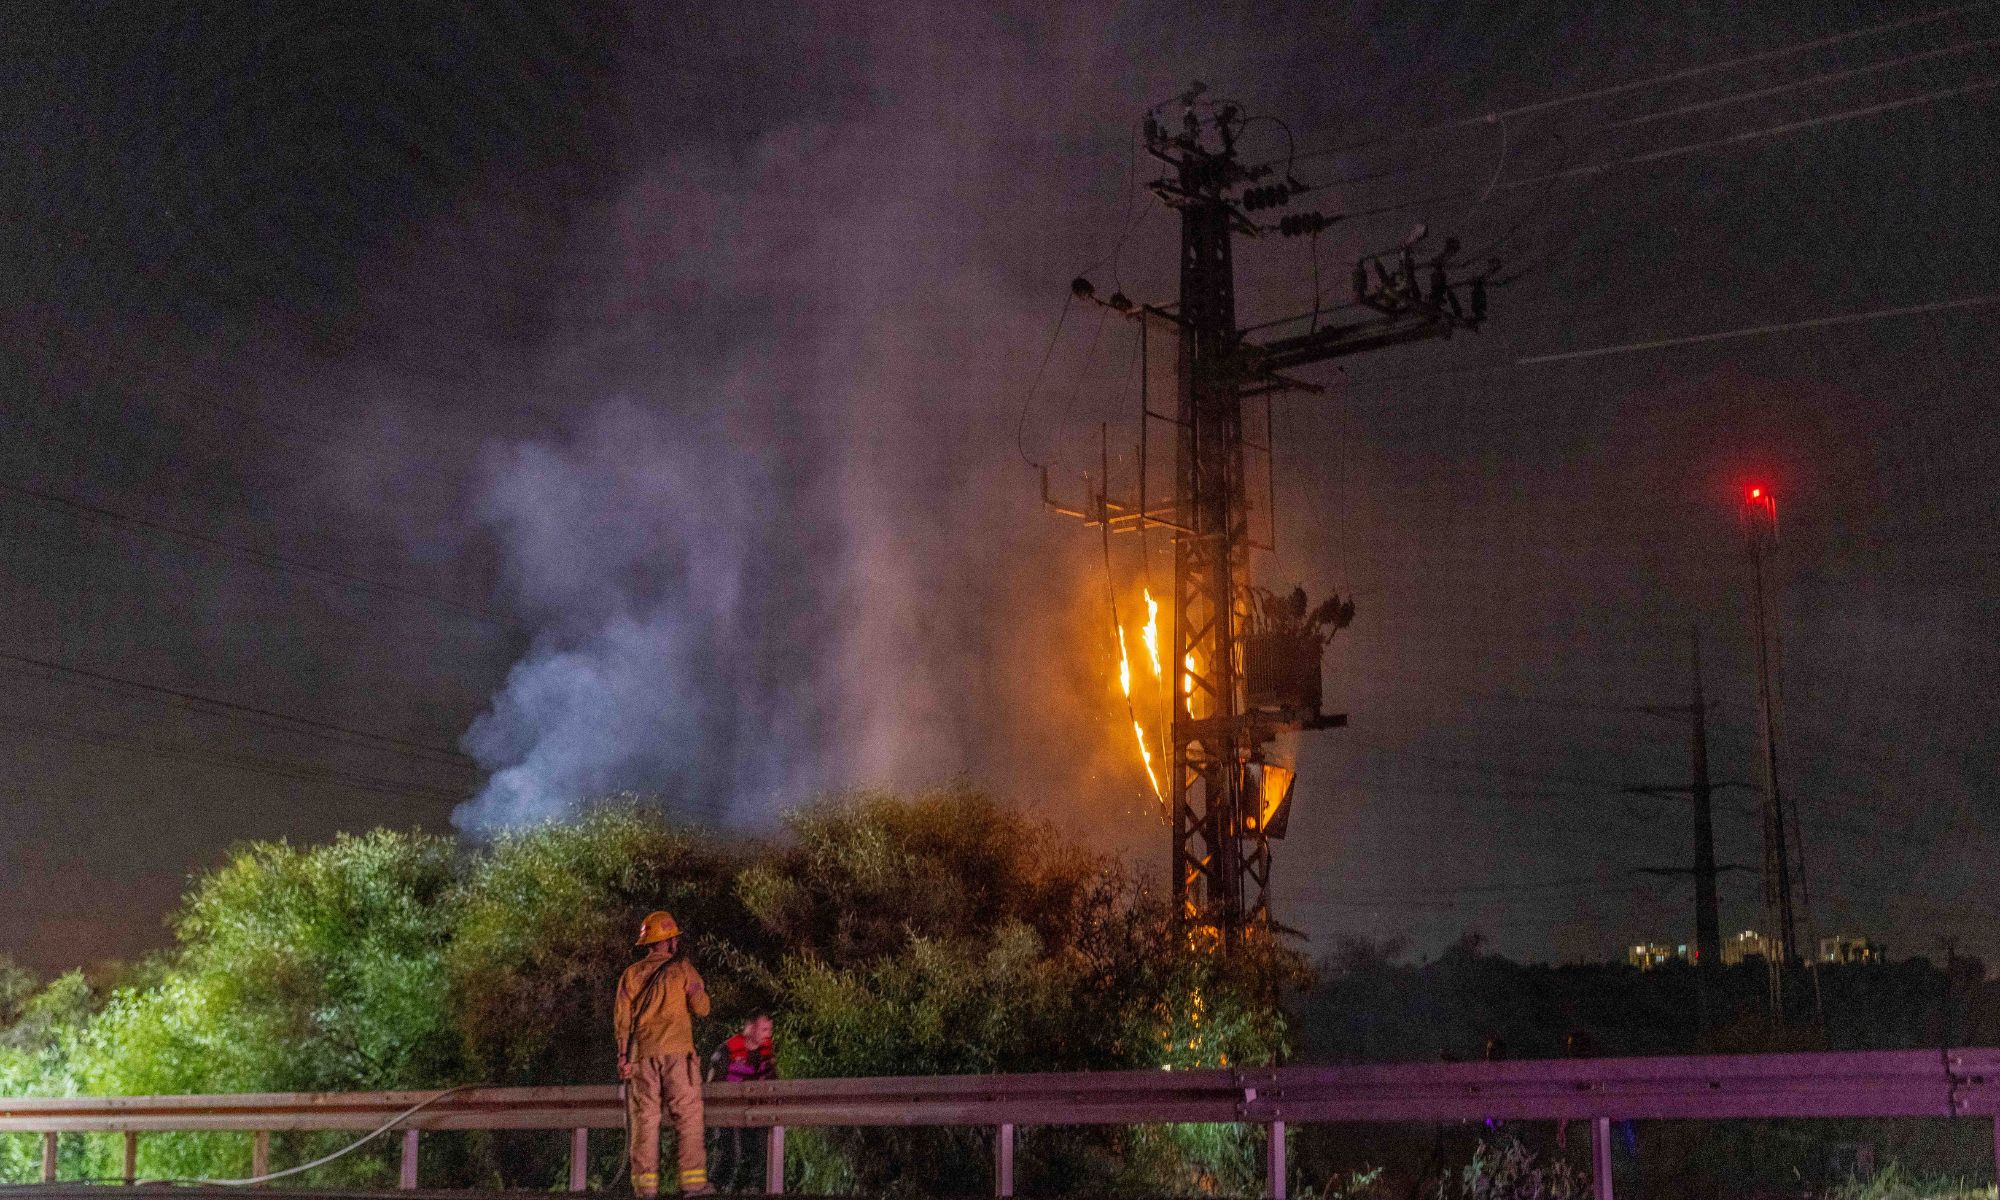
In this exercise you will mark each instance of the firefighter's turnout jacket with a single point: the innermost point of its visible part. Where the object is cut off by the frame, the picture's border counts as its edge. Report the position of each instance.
(665, 1026)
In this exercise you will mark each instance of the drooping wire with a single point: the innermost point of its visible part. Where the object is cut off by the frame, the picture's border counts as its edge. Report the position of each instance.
(1127, 218)
(1499, 167)
(1028, 400)
(1111, 579)
(1089, 352)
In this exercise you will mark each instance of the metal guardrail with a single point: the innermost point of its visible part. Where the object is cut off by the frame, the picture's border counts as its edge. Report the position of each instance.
(1898, 1083)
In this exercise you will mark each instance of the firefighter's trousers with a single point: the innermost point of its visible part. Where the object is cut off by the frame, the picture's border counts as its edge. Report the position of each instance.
(672, 1082)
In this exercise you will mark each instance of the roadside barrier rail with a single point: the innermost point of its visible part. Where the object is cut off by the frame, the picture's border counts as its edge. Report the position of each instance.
(1957, 1083)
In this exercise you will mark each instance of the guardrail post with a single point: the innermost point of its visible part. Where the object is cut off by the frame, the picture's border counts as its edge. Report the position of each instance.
(48, 1158)
(131, 1157)
(260, 1153)
(1274, 1161)
(579, 1157)
(1600, 1158)
(407, 1180)
(774, 1161)
(1003, 1159)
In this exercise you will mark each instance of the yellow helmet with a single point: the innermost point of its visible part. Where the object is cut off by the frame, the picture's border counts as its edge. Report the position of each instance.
(657, 927)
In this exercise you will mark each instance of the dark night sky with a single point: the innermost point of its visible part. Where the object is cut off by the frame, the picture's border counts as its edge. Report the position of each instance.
(631, 392)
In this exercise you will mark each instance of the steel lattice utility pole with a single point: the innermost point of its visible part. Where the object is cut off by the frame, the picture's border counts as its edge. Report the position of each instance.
(1760, 526)
(1216, 859)
(1236, 687)
(1701, 792)
(1707, 909)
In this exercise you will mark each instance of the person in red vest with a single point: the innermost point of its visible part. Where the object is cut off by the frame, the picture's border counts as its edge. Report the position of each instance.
(749, 1055)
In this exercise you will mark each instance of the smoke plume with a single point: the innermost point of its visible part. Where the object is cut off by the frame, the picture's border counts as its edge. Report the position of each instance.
(794, 549)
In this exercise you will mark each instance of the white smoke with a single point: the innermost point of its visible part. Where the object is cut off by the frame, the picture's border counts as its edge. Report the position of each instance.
(627, 547)
(803, 552)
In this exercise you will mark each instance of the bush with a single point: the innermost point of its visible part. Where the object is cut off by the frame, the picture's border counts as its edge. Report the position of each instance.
(941, 934)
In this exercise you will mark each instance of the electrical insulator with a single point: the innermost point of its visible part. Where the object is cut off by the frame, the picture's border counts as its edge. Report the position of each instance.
(1120, 301)
(1257, 198)
(1081, 289)
(1299, 224)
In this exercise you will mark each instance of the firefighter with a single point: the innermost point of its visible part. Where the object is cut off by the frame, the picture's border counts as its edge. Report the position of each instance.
(658, 999)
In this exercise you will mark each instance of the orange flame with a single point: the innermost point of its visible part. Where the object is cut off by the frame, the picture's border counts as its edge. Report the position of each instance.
(1146, 757)
(1124, 665)
(1151, 633)
(1138, 730)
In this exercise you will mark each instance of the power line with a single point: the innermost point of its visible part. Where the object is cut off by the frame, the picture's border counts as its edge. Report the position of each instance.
(1028, 399)
(435, 754)
(1797, 84)
(1500, 368)
(1743, 136)
(1824, 77)
(1684, 73)
(1768, 131)
(253, 764)
(264, 558)
(1907, 310)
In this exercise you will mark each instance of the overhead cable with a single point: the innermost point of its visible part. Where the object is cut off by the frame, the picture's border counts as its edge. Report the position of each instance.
(293, 723)
(1749, 135)
(1678, 76)
(1879, 314)
(1798, 84)
(1677, 111)
(253, 764)
(251, 554)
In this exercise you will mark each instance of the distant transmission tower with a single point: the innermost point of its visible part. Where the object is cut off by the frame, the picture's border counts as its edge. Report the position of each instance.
(1245, 665)
(1779, 819)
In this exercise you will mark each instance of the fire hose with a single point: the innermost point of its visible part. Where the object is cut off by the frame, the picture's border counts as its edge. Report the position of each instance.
(321, 1161)
(350, 1148)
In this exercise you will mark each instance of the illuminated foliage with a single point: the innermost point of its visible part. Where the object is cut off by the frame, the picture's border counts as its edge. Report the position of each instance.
(945, 933)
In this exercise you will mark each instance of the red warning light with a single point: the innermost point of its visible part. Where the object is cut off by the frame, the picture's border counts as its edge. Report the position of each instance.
(1757, 493)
